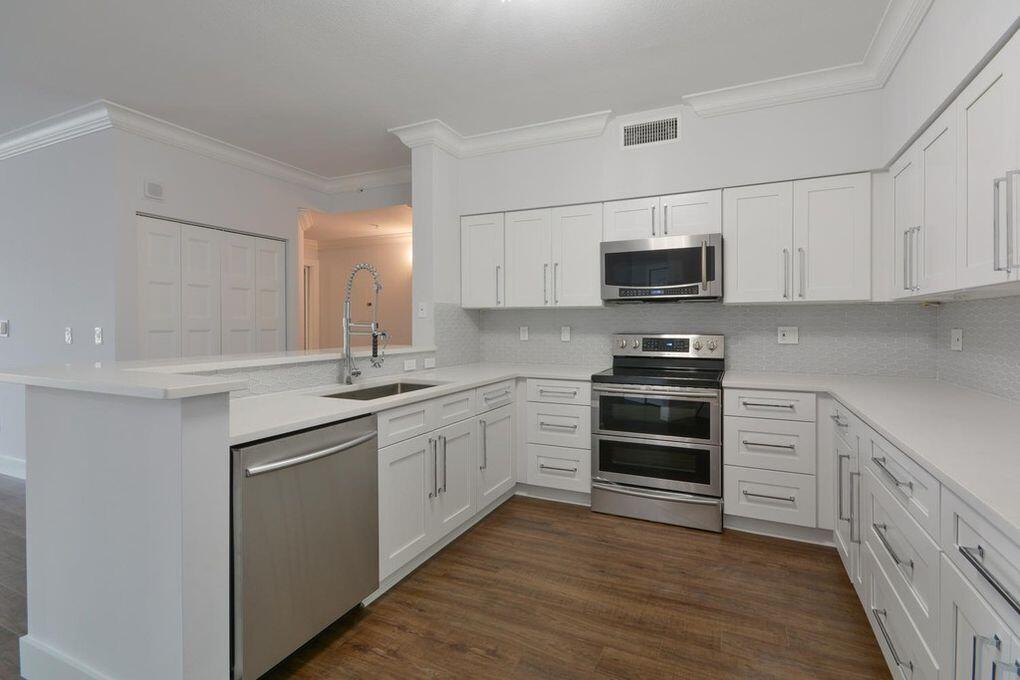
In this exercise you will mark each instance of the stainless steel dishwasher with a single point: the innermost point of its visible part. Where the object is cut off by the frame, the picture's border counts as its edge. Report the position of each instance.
(305, 537)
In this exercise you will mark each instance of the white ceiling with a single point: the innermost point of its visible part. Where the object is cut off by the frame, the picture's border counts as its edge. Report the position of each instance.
(389, 221)
(317, 83)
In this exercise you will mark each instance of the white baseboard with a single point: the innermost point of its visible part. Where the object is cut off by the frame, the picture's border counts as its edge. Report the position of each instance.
(558, 495)
(777, 530)
(12, 467)
(39, 661)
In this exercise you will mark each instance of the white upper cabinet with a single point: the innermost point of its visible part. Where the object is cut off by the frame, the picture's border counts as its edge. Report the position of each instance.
(200, 291)
(906, 197)
(576, 235)
(481, 259)
(935, 240)
(695, 213)
(987, 122)
(528, 248)
(631, 219)
(832, 238)
(757, 238)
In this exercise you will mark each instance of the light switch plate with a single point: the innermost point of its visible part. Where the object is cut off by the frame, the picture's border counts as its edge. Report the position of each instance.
(789, 335)
(565, 333)
(410, 364)
(98, 335)
(430, 362)
(68, 335)
(5, 328)
(956, 339)
(524, 332)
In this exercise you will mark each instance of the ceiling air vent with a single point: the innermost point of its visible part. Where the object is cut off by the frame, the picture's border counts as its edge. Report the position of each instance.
(651, 132)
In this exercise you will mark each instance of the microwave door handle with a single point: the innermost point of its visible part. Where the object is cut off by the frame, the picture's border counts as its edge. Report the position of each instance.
(704, 265)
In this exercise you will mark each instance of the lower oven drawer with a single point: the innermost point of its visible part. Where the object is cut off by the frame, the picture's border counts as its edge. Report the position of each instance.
(774, 496)
(657, 506)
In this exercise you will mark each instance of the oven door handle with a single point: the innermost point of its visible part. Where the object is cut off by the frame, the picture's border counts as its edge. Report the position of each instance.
(685, 394)
(641, 493)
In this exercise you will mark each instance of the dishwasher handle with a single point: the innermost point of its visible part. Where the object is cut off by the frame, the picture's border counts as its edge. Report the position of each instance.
(307, 457)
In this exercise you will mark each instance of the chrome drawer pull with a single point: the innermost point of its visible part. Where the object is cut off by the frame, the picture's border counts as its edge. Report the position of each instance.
(489, 396)
(791, 447)
(836, 418)
(880, 462)
(839, 485)
(855, 521)
(880, 530)
(543, 466)
(763, 405)
(879, 613)
(485, 445)
(976, 556)
(558, 393)
(1011, 668)
(560, 426)
(787, 499)
(993, 641)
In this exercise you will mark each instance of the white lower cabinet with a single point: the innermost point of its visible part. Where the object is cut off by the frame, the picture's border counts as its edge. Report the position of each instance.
(774, 496)
(559, 467)
(557, 434)
(496, 454)
(848, 530)
(454, 470)
(405, 502)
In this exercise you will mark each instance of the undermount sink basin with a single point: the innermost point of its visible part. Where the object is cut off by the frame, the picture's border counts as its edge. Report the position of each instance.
(379, 391)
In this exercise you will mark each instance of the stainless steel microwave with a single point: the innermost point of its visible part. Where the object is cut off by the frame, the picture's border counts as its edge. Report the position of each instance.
(667, 268)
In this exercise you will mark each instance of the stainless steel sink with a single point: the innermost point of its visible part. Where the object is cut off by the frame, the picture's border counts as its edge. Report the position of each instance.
(379, 391)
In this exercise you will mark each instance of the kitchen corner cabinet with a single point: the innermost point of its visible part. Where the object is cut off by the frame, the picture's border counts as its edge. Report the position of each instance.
(495, 454)
(698, 212)
(802, 241)
(483, 279)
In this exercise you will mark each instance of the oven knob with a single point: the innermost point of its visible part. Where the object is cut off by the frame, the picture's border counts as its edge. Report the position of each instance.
(637, 344)
(697, 345)
(712, 345)
(623, 344)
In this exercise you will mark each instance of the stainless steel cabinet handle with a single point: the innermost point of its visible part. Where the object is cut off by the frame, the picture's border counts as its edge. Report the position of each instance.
(560, 426)
(910, 249)
(545, 282)
(790, 447)
(485, 445)
(543, 466)
(839, 486)
(497, 284)
(906, 259)
(704, 265)
(838, 419)
(976, 558)
(653, 220)
(855, 521)
(995, 223)
(761, 404)
(556, 289)
(787, 499)
(993, 641)
(558, 393)
(880, 531)
(1010, 221)
(1013, 668)
(879, 615)
(803, 272)
(307, 457)
(432, 450)
(880, 464)
(917, 256)
(491, 396)
(786, 274)
(442, 439)
(665, 220)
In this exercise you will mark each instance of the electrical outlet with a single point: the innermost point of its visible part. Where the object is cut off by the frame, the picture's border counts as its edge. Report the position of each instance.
(789, 335)
(423, 311)
(410, 364)
(565, 333)
(430, 362)
(68, 336)
(99, 335)
(524, 332)
(5, 328)
(956, 339)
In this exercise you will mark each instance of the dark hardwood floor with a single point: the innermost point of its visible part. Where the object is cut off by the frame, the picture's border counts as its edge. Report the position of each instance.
(545, 590)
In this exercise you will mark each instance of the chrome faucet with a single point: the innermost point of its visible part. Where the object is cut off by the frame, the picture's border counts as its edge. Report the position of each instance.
(350, 369)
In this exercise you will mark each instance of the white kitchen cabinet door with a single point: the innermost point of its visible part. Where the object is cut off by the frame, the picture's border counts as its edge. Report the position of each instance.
(936, 239)
(456, 451)
(694, 213)
(270, 295)
(481, 255)
(987, 121)
(237, 300)
(495, 454)
(528, 248)
(576, 271)
(757, 239)
(832, 238)
(159, 288)
(631, 219)
(200, 291)
(846, 536)
(405, 486)
(906, 196)
(973, 638)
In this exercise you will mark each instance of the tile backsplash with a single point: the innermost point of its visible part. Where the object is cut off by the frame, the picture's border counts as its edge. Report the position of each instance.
(990, 359)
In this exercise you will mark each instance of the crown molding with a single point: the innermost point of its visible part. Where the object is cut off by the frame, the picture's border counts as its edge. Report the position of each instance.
(894, 32)
(441, 135)
(105, 115)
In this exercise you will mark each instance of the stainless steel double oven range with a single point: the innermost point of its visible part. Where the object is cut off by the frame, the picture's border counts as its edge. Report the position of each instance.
(657, 430)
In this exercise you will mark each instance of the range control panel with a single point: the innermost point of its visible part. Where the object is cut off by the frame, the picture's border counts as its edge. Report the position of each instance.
(668, 345)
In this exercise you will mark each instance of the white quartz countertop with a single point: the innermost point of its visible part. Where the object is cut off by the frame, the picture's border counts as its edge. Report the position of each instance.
(969, 440)
(254, 418)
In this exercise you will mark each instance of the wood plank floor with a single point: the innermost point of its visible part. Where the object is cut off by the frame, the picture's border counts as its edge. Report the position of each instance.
(546, 590)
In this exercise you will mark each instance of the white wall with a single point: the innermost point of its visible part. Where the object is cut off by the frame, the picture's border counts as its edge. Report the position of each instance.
(370, 199)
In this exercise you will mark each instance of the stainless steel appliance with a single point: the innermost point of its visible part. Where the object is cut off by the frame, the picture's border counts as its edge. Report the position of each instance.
(305, 538)
(657, 430)
(667, 268)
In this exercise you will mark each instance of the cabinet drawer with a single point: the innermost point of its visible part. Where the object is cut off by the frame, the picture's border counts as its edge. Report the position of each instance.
(559, 467)
(559, 425)
(494, 395)
(782, 445)
(454, 407)
(908, 555)
(402, 423)
(559, 391)
(770, 404)
(908, 482)
(897, 636)
(775, 496)
(989, 560)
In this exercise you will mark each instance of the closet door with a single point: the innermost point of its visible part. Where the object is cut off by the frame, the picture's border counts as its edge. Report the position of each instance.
(159, 289)
(200, 291)
(237, 308)
(270, 287)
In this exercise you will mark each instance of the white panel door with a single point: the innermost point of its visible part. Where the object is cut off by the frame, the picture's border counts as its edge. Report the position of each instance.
(270, 295)
(937, 236)
(832, 238)
(405, 487)
(757, 240)
(481, 255)
(973, 638)
(200, 291)
(906, 196)
(528, 249)
(576, 272)
(987, 149)
(237, 300)
(630, 219)
(695, 213)
(495, 454)
(159, 288)
(457, 453)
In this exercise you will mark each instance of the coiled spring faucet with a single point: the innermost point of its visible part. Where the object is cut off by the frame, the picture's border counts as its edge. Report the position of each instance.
(350, 369)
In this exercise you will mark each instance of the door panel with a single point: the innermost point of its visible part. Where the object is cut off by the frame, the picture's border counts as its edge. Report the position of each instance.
(496, 454)
(200, 291)
(973, 638)
(576, 235)
(482, 273)
(405, 480)
(270, 286)
(695, 213)
(237, 306)
(159, 288)
(528, 248)
(906, 192)
(456, 466)
(937, 155)
(757, 239)
(630, 219)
